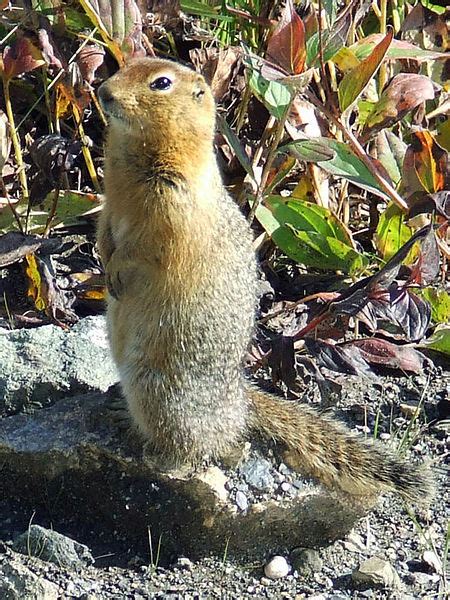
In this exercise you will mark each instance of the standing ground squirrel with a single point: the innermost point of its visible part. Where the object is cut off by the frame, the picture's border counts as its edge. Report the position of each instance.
(182, 278)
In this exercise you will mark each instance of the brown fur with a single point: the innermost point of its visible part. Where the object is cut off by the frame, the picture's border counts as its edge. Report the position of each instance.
(182, 276)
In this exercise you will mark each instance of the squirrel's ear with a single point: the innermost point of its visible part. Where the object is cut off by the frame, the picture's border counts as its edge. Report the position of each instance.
(199, 88)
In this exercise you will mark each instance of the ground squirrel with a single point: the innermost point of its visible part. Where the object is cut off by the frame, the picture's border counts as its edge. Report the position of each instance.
(182, 277)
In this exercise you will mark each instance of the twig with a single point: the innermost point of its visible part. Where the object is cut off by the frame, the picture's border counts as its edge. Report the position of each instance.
(11, 205)
(52, 212)
(15, 140)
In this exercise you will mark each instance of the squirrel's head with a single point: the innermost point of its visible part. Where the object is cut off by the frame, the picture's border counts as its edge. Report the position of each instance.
(159, 99)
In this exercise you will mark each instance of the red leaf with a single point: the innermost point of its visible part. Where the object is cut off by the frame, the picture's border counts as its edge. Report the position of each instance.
(286, 46)
(381, 352)
(21, 57)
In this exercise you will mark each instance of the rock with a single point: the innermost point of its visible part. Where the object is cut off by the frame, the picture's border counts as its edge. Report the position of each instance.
(257, 474)
(285, 486)
(277, 568)
(355, 543)
(39, 366)
(429, 558)
(216, 479)
(376, 571)
(74, 453)
(409, 410)
(17, 582)
(306, 561)
(424, 579)
(241, 500)
(51, 546)
(185, 563)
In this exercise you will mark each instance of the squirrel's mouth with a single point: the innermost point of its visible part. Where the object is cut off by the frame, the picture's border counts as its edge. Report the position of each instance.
(109, 103)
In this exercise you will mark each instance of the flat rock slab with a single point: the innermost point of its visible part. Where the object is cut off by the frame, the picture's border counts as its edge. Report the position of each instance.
(71, 464)
(41, 365)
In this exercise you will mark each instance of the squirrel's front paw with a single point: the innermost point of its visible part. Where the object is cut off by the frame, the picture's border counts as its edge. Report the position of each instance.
(114, 283)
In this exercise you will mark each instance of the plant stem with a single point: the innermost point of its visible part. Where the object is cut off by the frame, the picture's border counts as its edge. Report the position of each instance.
(85, 149)
(382, 77)
(360, 153)
(11, 205)
(16, 141)
(268, 164)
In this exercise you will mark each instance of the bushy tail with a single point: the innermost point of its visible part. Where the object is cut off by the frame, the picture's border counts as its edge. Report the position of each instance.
(325, 449)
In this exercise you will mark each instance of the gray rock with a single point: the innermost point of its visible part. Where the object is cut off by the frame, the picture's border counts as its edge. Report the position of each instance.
(241, 500)
(306, 561)
(39, 366)
(257, 474)
(17, 582)
(51, 546)
(376, 571)
(73, 451)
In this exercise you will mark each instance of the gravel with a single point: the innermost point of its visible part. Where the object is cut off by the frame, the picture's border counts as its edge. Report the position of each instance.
(395, 552)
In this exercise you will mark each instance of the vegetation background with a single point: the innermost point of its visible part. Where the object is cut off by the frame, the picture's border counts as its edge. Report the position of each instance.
(333, 135)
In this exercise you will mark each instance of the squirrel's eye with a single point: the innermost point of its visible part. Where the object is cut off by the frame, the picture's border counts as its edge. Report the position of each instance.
(161, 83)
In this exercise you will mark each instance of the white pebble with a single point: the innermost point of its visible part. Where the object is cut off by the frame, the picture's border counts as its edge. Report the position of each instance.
(277, 567)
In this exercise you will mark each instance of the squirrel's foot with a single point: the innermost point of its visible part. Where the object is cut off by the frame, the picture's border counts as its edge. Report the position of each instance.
(117, 408)
(166, 464)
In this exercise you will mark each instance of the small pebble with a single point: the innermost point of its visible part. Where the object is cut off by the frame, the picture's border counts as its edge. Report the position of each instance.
(430, 558)
(277, 568)
(385, 436)
(257, 474)
(409, 410)
(298, 483)
(185, 563)
(355, 543)
(241, 500)
(306, 561)
(376, 571)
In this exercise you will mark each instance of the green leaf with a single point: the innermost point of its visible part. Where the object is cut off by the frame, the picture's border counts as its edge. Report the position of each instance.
(315, 250)
(390, 153)
(439, 300)
(71, 205)
(365, 109)
(275, 96)
(307, 216)
(201, 9)
(309, 234)
(391, 233)
(314, 150)
(342, 164)
(439, 341)
(331, 46)
(235, 144)
(357, 79)
(399, 49)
